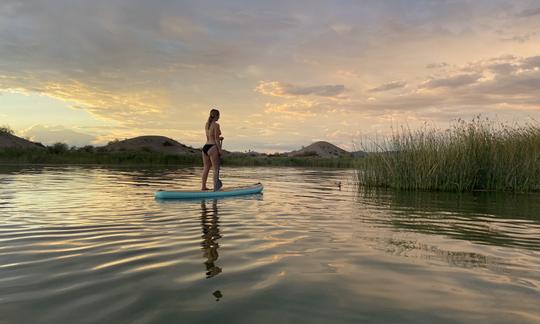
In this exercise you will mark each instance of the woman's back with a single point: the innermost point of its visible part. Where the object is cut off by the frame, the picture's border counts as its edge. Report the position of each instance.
(211, 131)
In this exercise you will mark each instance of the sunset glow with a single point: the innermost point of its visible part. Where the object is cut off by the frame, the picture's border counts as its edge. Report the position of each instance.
(283, 74)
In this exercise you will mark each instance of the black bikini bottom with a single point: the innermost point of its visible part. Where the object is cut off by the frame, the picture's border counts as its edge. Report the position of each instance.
(207, 148)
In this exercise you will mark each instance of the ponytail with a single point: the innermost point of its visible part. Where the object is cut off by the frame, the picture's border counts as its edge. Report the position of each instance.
(214, 114)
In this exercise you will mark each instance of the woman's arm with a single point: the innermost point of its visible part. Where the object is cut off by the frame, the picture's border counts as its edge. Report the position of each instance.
(217, 137)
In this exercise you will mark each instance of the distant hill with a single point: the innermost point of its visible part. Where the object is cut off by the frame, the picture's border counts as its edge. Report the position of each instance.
(320, 149)
(11, 141)
(166, 145)
(159, 144)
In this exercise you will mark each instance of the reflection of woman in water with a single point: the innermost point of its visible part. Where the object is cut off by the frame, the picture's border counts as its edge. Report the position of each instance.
(210, 229)
(211, 151)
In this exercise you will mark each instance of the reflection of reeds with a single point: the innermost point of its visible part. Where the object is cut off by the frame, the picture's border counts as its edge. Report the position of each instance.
(475, 155)
(490, 218)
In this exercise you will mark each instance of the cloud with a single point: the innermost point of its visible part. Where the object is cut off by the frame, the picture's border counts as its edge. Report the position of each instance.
(436, 65)
(340, 28)
(136, 64)
(323, 91)
(389, 86)
(502, 68)
(53, 134)
(531, 62)
(452, 81)
(519, 38)
(505, 85)
(130, 106)
(529, 13)
(508, 81)
(504, 65)
(160, 65)
(299, 109)
(521, 87)
(279, 89)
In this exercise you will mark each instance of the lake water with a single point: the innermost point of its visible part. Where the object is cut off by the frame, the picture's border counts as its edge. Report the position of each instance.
(91, 244)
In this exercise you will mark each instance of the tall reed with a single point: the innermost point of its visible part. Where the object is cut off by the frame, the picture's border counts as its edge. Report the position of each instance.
(474, 155)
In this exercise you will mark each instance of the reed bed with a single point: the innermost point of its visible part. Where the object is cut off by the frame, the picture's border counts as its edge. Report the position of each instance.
(469, 156)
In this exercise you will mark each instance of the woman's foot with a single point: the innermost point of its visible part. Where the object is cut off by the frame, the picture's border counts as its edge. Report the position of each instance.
(204, 189)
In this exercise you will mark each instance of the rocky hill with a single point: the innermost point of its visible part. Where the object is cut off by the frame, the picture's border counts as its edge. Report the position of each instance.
(8, 140)
(159, 144)
(320, 149)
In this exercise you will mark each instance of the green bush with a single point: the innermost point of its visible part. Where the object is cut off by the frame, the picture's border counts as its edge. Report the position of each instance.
(87, 149)
(5, 129)
(58, 148)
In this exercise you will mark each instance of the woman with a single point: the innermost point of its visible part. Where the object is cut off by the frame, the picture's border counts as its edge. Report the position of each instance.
(211, 151)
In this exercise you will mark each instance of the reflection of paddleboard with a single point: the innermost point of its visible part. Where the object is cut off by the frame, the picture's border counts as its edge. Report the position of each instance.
(227, 192)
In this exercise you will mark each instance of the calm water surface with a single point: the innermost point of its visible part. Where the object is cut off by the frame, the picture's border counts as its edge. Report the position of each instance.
(90, 244)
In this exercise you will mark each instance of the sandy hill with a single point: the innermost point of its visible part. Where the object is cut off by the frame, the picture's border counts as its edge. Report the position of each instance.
(159, 144)
(8, 141)
(320, 149)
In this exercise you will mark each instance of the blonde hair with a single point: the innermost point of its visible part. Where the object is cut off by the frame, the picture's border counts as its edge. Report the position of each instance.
(214, 114)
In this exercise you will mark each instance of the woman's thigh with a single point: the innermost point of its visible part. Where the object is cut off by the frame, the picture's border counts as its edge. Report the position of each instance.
(207, 163)
(214, 156)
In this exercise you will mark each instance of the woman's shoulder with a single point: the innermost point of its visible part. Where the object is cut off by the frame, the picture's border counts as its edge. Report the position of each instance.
(212, 126)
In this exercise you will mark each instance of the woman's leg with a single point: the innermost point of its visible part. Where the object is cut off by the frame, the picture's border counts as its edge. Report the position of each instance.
(214, 158)
(207, 164)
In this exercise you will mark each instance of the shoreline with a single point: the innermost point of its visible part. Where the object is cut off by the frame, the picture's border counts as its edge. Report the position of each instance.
(159, 161)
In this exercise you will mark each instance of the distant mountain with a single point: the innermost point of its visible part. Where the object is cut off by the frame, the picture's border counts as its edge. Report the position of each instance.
(11, 141)
(159, 144)
(320, 149)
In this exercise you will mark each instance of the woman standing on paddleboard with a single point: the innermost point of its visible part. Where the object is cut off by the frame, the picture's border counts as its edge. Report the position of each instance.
(211, 151)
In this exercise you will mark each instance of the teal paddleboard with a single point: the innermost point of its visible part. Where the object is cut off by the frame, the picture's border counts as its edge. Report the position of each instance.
(225, 192)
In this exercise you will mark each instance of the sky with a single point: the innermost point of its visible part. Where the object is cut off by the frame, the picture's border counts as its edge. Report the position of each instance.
(282, 73)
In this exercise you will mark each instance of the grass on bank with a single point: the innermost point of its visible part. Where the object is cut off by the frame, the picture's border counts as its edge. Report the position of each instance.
(301, 161)
(60, 153)
(475, 155)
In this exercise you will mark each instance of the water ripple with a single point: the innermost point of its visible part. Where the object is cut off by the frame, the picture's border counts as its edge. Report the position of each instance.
(90, 244)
